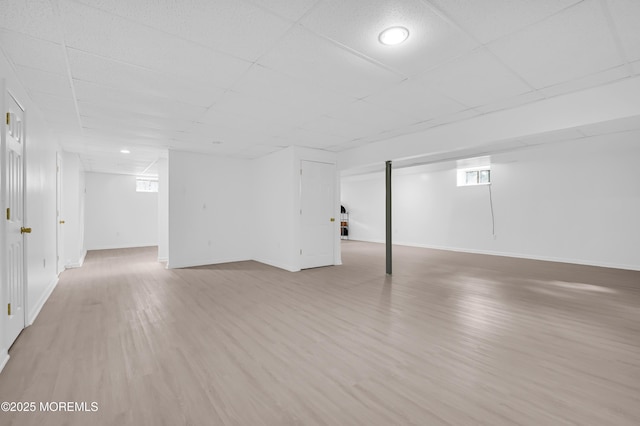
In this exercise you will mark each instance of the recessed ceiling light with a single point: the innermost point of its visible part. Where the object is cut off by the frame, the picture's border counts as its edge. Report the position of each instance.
(125, 151)
(394, 35)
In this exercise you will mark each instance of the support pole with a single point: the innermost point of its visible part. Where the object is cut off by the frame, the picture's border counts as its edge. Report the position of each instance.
(388, 215)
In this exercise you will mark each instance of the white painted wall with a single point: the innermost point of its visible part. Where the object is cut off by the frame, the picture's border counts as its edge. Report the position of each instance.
(575, 201)
(274, 217)
(73, 210)
(364, 199)
(163, 210)
(117, 216)
(225, 210)
(210, 209)
(40, 204)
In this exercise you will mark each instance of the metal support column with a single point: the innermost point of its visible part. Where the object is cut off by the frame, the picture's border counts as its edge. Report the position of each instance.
(388, 215)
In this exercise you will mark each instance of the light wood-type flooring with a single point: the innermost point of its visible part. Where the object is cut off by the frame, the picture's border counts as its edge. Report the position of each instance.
(451, 338)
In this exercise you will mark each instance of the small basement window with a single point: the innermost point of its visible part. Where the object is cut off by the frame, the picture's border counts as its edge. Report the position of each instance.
(146, 185)
(474, 176)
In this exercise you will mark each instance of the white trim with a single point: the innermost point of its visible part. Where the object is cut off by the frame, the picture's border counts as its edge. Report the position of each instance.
(163, 259)
(45, 296)
(530, 256)
(115, 247)
(280, 265)
(516, 255)
(206, 262)
(77, 264)
(4, 361)
(60, 267)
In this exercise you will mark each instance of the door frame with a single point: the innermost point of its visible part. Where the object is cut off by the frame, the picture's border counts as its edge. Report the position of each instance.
(4, 96)
(60, 263)
(334, 208)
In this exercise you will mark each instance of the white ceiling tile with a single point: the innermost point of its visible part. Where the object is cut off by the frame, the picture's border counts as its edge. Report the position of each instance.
(97, 32)
(124, 127)
(445, 119)
(415, 98)
(592, 80)
(239, 121)
(626, 18)
(511, 102)
(347, 145)
(257, 151)
(231, 26)
(358, 23)
(320, 62)
(132, 78)
(46, 101)
(476, 79)
(260, 109)
(124, 138)
(549, 137)
(114, 113)
(209, 134)
(572, 44)
(292, 10)
(377, 119)
(127, 136)
(151, 75)
(135, 102)
(63, 121)
(33, 53)
(198, 146)
(614, 126)
(282, 89)
(36, 18)
(45, 82)
(310, 138)
(488, 20)
(346, 129)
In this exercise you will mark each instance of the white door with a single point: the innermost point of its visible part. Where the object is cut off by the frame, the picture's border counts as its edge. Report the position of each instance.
(59, 220)
(13, 202)
(318, 214)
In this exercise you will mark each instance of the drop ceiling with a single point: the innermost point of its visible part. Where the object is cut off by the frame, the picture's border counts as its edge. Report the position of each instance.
(246, 78)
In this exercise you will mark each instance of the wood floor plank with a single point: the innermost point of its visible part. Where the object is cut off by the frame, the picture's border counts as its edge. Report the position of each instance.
(451, 338)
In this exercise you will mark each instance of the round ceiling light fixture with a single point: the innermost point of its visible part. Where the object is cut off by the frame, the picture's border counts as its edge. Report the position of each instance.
(125, 151)
(393, 35)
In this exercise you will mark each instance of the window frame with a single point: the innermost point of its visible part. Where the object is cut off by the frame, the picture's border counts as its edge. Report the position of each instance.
(151, 188)
(463, 176)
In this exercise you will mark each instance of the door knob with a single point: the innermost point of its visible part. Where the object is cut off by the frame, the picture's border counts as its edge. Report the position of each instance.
(24, 230)
(62, 222)
(333, 219)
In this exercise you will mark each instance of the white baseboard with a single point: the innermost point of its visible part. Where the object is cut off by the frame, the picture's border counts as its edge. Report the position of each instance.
(517, 255)
(204, 262)
(45, 296)
(275, 264)
(528, 256)
(77, 264)
(163, 259)
(121, 246)
(5, 358)
(367, 241)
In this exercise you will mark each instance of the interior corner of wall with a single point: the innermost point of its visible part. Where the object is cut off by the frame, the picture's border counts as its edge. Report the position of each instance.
(4, 358)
